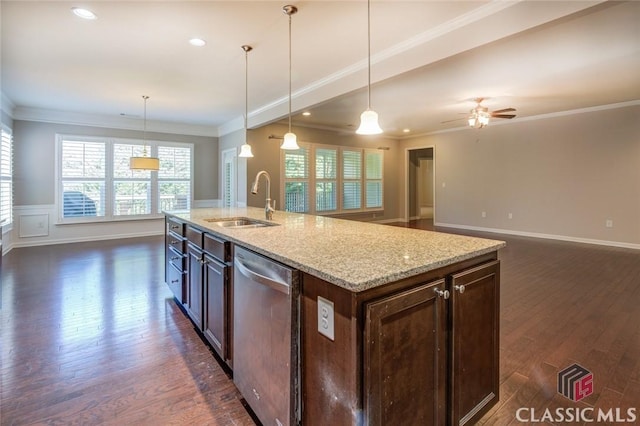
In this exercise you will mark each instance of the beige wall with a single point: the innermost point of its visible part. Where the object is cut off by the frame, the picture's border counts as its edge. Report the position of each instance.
(34, 158)
(562, 176)
(267, 157)
(35, 212)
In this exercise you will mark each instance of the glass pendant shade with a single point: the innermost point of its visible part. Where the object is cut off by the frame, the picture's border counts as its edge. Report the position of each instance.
(245, 151)
(144, 163)
(369, 123)
(290, 142)
(472, 121)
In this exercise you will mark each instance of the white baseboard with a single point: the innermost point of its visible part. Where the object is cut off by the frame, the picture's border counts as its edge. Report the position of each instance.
(541, 235)
(19, 244)
(383, 221)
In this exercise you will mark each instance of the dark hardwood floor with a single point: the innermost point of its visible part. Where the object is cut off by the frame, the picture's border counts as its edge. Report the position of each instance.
(90, 335)
(564, 303)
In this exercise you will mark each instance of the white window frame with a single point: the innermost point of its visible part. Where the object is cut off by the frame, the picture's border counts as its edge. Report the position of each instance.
(109, 216)
(311, 179)
(7, 175)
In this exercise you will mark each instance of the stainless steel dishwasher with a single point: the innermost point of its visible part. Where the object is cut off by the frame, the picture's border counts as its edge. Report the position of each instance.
(265, 337)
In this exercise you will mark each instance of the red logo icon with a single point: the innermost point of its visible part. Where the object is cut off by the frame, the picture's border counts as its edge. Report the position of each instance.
(575, 382)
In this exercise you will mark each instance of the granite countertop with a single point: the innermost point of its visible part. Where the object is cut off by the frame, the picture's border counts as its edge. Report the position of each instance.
(354, 255)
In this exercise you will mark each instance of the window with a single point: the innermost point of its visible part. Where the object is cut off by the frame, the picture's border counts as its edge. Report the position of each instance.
(339, 180)
(6, 178)
(96, 184)
(373, 179)
(296, 180)
(326, 179)
(351, 179)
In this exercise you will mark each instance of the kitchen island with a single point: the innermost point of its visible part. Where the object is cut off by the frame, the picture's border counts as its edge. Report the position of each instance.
(393, 325)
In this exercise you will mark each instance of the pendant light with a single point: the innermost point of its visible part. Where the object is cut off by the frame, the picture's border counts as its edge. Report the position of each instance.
(290, 139)
(245, 149)
(144, 162)
(369, 118)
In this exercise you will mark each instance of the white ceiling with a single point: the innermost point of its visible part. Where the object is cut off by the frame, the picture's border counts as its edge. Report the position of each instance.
(429, 58)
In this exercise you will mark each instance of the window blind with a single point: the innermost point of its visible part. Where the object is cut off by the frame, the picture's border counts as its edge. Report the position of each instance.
(296, 186)
(326, 179)
(6, 178)
(95, 179)
(351, 179)
(373, 176)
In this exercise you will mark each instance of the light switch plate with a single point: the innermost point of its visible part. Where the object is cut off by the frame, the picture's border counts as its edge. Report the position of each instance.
(325, 317)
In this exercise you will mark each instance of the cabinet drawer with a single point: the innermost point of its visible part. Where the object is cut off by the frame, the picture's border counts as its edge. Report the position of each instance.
(175, 226)
(194, 235)
(175, 281)
(217, 248)
(176, 258)
(175, 241)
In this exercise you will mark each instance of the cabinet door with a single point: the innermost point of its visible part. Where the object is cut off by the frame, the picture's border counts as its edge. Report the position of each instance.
(475, 305)
(405, 357)
(194, 284)
(215, 308)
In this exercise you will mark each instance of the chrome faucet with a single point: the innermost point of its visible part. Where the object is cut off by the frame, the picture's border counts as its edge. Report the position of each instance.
(268, 208)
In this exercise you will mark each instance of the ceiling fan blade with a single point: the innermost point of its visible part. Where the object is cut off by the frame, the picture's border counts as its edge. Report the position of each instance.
(503, 115)
(500, 111)
(455, 119)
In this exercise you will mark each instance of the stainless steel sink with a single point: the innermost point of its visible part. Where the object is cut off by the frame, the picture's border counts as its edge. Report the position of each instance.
(239, 223)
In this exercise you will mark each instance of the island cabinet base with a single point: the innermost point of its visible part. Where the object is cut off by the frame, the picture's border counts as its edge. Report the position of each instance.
(420, 351)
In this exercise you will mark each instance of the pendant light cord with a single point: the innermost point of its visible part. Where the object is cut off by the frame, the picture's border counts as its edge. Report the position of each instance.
(369, 53)
(289, 73)
(144, 128)
(246, 85)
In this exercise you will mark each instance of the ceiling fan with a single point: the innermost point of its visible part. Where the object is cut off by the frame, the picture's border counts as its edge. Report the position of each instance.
(479, 116)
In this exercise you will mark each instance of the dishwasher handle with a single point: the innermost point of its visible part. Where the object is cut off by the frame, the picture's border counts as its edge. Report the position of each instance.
(254, 276)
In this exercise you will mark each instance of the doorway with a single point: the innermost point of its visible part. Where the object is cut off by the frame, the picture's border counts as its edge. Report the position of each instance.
(421, 185)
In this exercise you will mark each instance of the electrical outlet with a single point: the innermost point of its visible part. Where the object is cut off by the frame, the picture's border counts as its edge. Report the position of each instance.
(325, 317)
(484, 214)
(510, 215)
(608, 223)
(444, 184)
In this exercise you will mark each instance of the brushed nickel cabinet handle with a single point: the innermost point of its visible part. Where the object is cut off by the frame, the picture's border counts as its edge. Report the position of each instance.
(460, 288)
(444, 294)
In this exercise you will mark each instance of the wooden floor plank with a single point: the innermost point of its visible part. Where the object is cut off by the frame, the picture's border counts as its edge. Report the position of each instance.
(91, 335)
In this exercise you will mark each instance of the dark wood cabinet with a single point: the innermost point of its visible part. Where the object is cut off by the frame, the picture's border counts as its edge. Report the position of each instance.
(195, 274)
(422, 350)
(175, 258)
(198, 271)
(475, 313)
(405, 358)
(216, 319)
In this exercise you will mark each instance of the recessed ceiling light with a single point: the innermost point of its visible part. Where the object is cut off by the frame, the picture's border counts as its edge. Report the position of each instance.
(198, 42)
(83, 13)
(406, 130)
(306, 113)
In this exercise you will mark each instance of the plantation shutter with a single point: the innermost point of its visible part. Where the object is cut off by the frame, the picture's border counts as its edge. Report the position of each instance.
(83, 175)
(351, 179)
(6, 178)
(373, 177)
(174, 178)
(296, 180)
(326, 175)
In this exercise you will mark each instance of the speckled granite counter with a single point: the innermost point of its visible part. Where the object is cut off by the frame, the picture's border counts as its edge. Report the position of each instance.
(353, 255)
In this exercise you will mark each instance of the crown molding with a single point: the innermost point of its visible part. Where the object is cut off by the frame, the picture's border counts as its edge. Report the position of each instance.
(110, 121)
(7, 105)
